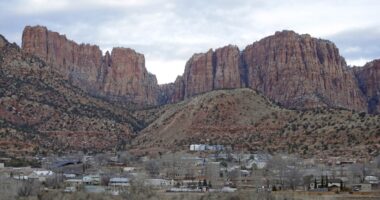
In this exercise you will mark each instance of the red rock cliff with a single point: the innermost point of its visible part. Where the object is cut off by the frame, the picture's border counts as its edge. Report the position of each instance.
(299, 71)
(219, 69)
(119, 76)
(369, 82)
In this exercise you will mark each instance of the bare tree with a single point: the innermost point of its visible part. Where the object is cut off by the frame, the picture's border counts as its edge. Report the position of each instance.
(28, 187)
(278, 166)
(153, 168)
(8, 188)
(101, 159)
(293, 176)
(105, 180)
(55, 181)
(286, 169)
(125, 157)
(139, 190)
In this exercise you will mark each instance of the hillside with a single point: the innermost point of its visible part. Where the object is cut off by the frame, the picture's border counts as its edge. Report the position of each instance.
(41, 112)
(247, 120)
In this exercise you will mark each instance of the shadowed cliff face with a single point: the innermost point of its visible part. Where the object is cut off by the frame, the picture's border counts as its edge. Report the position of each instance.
(119, 76)
(297, 71)
(369, 82)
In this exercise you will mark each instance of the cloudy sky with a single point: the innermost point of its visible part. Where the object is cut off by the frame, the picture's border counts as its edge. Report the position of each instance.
(168, 32)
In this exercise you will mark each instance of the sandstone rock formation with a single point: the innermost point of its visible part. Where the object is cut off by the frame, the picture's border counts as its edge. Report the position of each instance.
(119, 76)
(297, 71)
(204, 72)
(369, 82)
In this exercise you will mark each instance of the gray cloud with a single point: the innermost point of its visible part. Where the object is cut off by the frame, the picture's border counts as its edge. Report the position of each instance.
(356, 44)
(168, 32)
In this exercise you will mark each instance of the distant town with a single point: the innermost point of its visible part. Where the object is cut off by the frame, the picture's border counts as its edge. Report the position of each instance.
(203, 169)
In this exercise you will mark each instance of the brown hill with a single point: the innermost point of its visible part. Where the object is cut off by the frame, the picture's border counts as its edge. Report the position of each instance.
(247, 120)
(40, 111)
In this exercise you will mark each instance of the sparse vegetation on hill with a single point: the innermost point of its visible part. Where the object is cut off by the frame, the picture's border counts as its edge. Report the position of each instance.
(245, 119)
(40, 111)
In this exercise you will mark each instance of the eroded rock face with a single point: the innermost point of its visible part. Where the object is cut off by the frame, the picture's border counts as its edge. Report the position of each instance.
(128, 79)
(120, 75)
(199, 74)
(369, 82)
(299, 71)
(219, 69)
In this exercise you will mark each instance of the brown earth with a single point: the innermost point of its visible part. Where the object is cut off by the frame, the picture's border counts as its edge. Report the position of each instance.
(247, 120)
(41, 112)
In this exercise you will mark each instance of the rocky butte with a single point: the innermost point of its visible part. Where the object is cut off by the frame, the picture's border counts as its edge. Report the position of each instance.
(119, 76)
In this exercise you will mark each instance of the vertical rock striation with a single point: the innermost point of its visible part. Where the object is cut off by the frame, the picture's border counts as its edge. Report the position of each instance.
(369, 82)
(118, 76)
(299, 71)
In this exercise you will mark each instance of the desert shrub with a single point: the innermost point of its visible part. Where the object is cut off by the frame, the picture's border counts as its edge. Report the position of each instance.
(28, 188)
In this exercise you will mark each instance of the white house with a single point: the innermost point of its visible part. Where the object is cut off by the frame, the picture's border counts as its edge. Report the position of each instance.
(128, 169)
(372, 179)
(69, 175)
(41, 175)
(74, 182)
(119, 181)
(158, 182)
(206, 147)
(91, 179)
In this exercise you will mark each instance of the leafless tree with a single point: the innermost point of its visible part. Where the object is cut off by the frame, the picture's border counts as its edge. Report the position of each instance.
(8, 188)
(101, 159)
(153, 168)
(125, 157)
(54, 182)
(286, 169)
(28, 187)
(139, 190)
(277, 166)
(105, 180)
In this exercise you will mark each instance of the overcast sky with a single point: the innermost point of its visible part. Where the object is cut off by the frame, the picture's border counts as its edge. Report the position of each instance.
(168, 32)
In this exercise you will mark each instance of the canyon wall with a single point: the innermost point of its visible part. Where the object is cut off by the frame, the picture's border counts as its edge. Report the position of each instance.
(297, 71)
(369, 83)
(119, 76)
